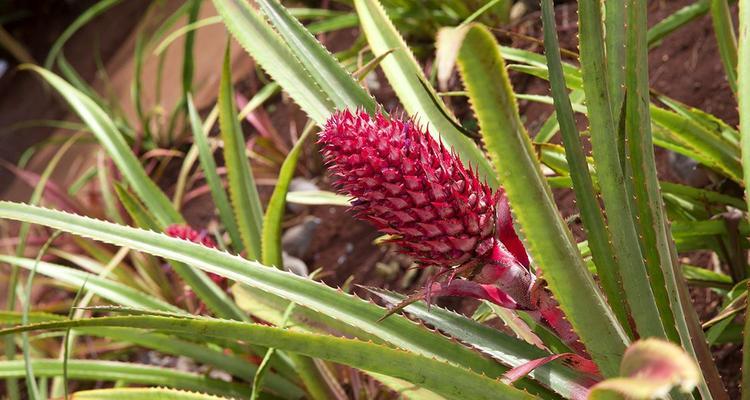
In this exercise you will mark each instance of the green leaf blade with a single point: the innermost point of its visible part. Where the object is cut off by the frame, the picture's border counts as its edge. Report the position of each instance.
(452, 381)
(406, 78)
(726, 38)
(608, 159)
(600, 240)
(348, 309)
(141, 394)
(506, 349)
(242, 190)
(673, 301)
(111, 139)
(208, 164)
(342, 89)
(272, 251)
(96, 370)
(547, 238)
(267, 48)
(107, 289)
(743, 98)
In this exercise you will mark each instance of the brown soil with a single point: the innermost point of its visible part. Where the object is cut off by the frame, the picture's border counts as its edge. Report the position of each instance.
(39, 24)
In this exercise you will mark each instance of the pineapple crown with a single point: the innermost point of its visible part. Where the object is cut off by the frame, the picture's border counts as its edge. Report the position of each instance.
(411, 186)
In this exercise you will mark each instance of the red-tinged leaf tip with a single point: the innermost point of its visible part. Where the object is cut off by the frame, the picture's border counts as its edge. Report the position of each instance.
(574, 360)
(650, 369)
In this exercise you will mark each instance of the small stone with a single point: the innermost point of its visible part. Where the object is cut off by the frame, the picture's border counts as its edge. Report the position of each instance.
(295, 265)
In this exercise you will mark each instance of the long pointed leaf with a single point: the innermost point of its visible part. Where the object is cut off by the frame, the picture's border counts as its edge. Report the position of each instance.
(676, 20)
(448, 380)
(743, 95)
(688, 136)
(110, 290)
(95, 10)
(600, 240)
(406, 77)
(212, 178)
(614, 42)
(607, 152)
(272, 254)
(726, 38)
(395, 330)
(743, 91)
(343, 90)
(242, 190)
(675, 306)
(545, 234)
(96, 370)
(267, 48)
(110, 138)
(508, 350)
(236, 365)
(141, 394)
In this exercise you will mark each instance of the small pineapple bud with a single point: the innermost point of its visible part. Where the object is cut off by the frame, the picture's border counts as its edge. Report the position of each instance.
(410, 186)
(185, 232)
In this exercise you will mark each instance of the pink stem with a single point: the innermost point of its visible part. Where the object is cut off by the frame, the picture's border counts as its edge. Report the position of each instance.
(551, 315)
(508, 283)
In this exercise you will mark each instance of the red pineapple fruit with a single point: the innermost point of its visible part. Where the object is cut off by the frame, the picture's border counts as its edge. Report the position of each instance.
(409, 185)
